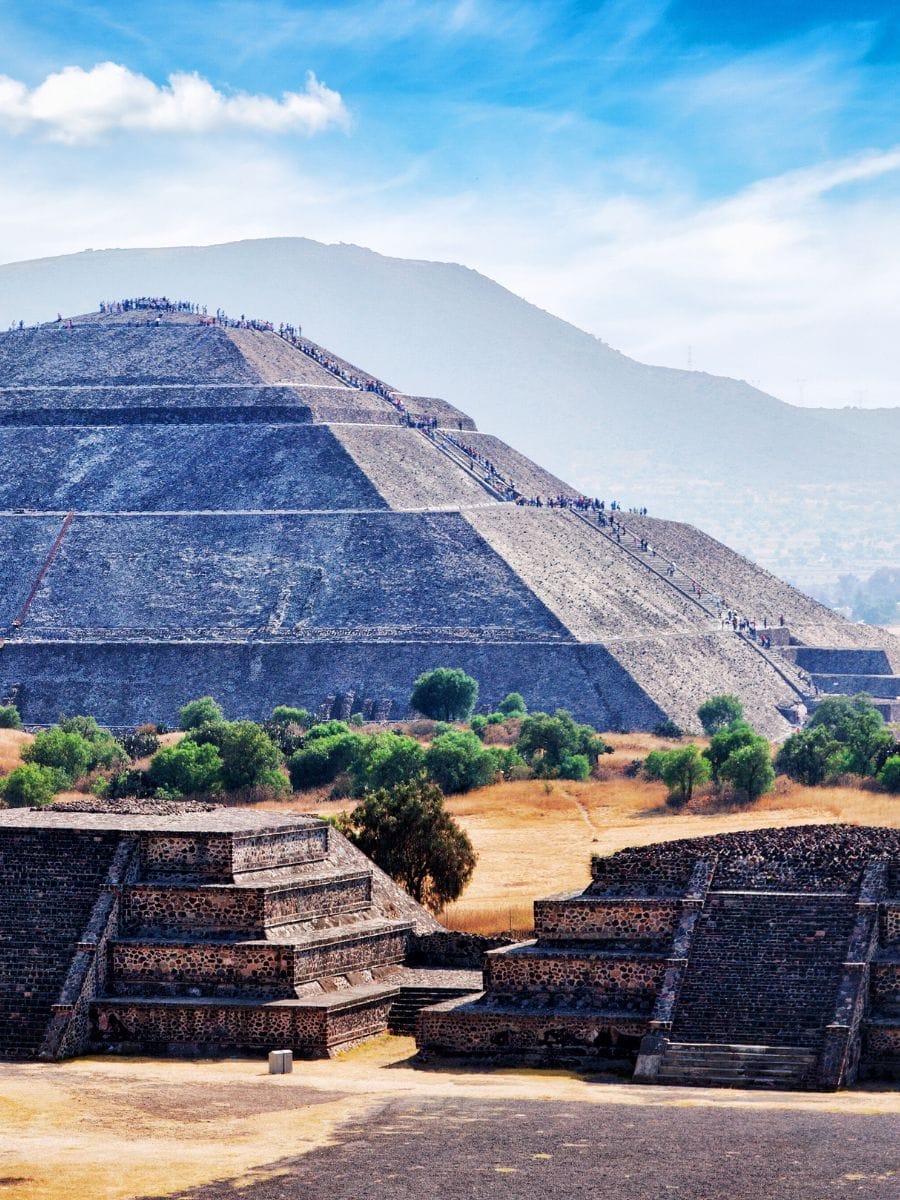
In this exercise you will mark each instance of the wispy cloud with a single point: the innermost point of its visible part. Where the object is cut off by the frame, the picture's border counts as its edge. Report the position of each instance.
(75, 105)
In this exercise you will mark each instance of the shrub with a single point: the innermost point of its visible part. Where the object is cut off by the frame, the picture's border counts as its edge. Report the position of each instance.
(574, 766)
(283, 714)
(478, 725)
(409, 834)
(385, 761)
(683, 770)
(668, 729)
(653, 764)
(357, 720)
(106, 751)
(195, 713)
(139, 744)
(458, 762)
(327, 729)
(288, 738)
(719, 711)
(32, 785)
(889, 775)
(322, 760)
(445, 694)
(749, 769)
(186, 768)
(513, 705)
(66, 752)
(9, 717)
(810, 756)
(509, 763)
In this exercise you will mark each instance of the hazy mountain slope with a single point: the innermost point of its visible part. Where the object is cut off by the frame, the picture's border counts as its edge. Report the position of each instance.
(712, 450)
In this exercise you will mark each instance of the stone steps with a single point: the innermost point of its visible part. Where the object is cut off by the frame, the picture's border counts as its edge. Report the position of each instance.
(245, 967)
(411, 1000)
(712, 1064)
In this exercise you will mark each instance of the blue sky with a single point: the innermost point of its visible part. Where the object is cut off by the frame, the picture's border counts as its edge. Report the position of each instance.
(713, 183)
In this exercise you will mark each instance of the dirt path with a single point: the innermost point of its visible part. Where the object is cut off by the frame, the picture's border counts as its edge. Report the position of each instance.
(115, 1129)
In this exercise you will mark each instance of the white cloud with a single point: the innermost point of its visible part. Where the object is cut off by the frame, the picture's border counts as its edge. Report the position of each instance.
(74, 105)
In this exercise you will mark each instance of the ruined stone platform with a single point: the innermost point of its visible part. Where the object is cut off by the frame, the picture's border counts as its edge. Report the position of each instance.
(769, 958)
(220, 932)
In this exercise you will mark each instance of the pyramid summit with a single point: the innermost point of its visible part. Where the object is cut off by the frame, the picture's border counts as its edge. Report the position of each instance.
(193, 503)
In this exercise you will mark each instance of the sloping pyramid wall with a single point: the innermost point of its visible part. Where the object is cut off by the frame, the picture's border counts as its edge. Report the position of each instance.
(191, 508)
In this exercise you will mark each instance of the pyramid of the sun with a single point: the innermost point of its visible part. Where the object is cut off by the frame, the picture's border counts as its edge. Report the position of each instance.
(190, 508)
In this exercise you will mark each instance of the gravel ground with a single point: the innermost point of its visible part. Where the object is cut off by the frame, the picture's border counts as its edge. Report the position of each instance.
(474, 1149)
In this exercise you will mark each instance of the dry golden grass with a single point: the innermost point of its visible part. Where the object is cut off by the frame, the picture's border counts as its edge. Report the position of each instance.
(11, 743)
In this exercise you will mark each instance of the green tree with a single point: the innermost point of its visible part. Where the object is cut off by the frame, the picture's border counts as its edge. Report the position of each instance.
(513, 705)
(889, 775)
(653, 764)
(725, 742)
(9, 717)
(195, 713)
(407, 832)
(858, 726)
(458, 762)
(683, 770)
(749, 769)
(327, 729)
(248, 754)
(810, 756)
(478, 725)
(385, 761)
(69, 753)
(106, 751)
(187, 767)
(719, 711)
(323, 759)
(31, 785)
(445, 694)
(545, 742)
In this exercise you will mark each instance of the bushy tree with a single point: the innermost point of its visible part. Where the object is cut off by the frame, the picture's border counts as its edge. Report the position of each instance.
(385, 761)
(458, 762)
(106, 751)
(322, 759)
(574, 766)
(478, 725)
(513, 705)
(653, 764)
(668, 729)
(407, 832)
(249, 756)
(187, 767)
(546, 741)
(9, 717)
(31, 785)
(889, 775)
(719, 711)
(283, 714)
(810, 756)
(682, 771)
(858, 726)
(204, 711)
(724, 743)
(69, 753)
(445, 694)
(749, 769)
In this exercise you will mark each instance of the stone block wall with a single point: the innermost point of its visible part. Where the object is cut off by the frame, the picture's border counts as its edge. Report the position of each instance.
(614, 981)
(576, 918)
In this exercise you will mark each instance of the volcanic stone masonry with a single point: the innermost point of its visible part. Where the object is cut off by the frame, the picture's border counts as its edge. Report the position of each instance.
(189, 509)
(221, 932)
(768, 958)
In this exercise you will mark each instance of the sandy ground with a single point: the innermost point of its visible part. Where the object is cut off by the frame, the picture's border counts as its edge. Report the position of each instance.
(114, 1129)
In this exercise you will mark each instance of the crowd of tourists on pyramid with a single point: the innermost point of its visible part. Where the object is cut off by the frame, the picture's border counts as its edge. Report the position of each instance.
(159, 304)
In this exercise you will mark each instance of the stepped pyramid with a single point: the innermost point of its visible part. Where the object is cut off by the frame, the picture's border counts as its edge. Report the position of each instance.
(194, 932)
(190, 507)
(765, 958)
